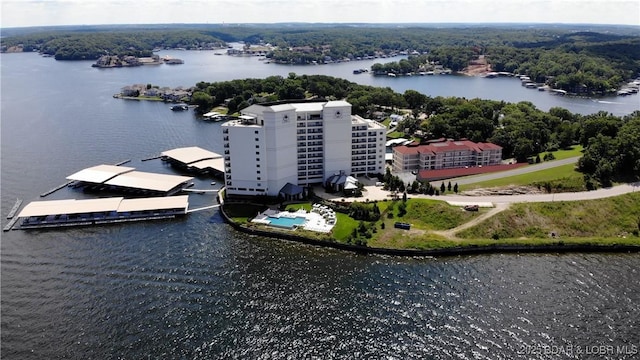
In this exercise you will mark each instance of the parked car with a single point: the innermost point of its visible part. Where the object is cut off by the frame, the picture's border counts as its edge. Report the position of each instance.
(471, 207)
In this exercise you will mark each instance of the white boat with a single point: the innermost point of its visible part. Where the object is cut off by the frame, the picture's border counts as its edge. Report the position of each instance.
(179, 107)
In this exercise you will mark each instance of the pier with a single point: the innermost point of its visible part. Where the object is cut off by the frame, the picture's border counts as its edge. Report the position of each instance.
(14, 209)
(122, 162)
(9, 226)
(152, 158)
(51, 191)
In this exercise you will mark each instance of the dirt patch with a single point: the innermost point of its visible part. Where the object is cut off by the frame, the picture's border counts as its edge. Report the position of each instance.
(503, 190)
(477, 67)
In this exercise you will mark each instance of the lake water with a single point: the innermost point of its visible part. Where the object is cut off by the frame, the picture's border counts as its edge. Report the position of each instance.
(196, 289)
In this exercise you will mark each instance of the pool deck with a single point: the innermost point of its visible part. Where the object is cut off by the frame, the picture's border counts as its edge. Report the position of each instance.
(319, 219)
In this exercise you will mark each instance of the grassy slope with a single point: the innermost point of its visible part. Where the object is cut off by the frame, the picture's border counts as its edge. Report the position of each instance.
(603, 218)
(560, 177)
(423, 215)
(564, 175)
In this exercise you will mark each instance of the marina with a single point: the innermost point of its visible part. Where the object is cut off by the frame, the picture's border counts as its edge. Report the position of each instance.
(67, 213)
(129, 180)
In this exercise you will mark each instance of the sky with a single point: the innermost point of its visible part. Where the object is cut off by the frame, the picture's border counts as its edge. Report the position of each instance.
(21, 13)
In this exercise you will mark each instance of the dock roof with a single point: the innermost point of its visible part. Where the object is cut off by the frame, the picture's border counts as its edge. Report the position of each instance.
(99, 174)
(118, 204)
(155, 203)
(148, 181)
(188, 155)
(55, 207)
(216, 164)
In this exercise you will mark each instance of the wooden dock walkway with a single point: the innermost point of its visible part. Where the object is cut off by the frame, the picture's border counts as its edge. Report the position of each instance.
(122, 162)
(152, 158)
(14, 209)
(9, 226)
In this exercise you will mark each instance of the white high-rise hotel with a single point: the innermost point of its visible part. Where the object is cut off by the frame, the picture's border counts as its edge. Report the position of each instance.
(301, 143)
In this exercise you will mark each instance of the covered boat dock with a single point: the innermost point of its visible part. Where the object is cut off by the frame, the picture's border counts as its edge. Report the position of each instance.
(62, 213)
(128, 180)
(195, 159)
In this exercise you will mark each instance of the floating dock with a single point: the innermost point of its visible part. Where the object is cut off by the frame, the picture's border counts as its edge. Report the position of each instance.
(152, 158)
(14, 209)
(122, 162)
(65, 213)
(9, 226)
(51, 191)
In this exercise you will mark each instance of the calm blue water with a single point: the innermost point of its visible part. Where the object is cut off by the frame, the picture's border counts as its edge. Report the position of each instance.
(286, 221)
(196, 289)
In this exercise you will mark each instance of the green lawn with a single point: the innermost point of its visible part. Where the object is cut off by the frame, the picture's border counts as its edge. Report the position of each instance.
(395, 135)
(575, 150)
(561, 178)
(429, 214)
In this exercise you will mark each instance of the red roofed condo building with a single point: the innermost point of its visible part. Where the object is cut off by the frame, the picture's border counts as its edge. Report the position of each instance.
(446, 154)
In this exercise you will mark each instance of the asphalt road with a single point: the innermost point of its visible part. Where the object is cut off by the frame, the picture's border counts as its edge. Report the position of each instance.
(568, 196)
(376, 193)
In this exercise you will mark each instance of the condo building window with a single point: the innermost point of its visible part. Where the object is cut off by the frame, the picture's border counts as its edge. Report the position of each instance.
(257, 146)
(255, 132)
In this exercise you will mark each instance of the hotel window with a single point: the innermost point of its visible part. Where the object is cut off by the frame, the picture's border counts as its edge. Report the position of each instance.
(257, 165)
(257, 146)
(258, 178)
(257, 152)
(257, 159)
(255, 132)
(257, 139)
(257, 171)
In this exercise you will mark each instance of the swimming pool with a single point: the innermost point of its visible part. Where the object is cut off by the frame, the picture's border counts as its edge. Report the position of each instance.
(286, 222)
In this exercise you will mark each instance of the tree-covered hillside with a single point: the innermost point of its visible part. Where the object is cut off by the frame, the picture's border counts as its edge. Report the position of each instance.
(573, 58)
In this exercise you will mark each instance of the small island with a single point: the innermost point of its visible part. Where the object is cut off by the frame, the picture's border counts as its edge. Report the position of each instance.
(151, 92)
(116, 61)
